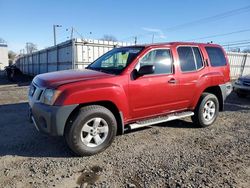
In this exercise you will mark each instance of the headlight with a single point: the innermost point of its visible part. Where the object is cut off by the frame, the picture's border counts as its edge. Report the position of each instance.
(238, 82)
(50, 96)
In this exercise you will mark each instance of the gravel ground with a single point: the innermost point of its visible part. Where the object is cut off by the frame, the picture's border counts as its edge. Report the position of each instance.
(173, 154)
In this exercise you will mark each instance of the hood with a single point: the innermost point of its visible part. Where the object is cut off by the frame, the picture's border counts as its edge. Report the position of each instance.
(55, 79)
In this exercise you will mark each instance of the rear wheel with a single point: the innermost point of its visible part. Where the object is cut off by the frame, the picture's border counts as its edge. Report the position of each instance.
(92, 131)
(206, 111)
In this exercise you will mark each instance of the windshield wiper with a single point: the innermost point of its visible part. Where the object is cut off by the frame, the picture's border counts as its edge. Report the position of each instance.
(94, 68)
(102, 70)
(110, 71)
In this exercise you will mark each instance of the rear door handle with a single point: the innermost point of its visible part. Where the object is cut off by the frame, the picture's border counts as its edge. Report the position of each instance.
(172, 81)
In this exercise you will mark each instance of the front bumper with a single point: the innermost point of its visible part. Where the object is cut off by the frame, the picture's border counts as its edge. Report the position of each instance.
(50, 119)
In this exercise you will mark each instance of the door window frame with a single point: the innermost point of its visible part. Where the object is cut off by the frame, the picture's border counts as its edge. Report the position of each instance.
(202, 58)
(153, 49)
(205, 47)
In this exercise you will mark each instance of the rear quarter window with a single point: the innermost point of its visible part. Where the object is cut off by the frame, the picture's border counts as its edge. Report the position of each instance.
(216, 56)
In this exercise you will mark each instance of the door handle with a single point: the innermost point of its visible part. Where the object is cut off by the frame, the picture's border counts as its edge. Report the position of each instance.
(172, 81)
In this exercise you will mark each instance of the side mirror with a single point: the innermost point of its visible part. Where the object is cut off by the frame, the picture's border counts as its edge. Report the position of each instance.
(146, 69)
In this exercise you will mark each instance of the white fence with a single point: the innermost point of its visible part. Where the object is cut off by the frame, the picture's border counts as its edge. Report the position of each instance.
(239, 64)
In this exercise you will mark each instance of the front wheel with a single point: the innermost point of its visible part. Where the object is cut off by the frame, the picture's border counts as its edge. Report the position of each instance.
(206, 111)
(92, 131)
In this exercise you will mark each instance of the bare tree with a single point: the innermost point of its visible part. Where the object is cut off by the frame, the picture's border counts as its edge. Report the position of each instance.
(2, 41)
(109, 38)
(30, 47)
(12, 56)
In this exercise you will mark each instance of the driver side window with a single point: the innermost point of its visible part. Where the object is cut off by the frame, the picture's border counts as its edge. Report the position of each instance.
(160, 58)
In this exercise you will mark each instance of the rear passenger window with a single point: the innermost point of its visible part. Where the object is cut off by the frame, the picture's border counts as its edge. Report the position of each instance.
(198, 58)
(190, 58)
(216, 56)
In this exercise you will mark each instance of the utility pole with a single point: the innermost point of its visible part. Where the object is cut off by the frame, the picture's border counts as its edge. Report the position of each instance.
(153, 37)
(72, 33)
(135, 40)
(54, 30)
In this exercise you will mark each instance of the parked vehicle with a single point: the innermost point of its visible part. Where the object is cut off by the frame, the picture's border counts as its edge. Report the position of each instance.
(12, 71)
(128, 88)
(242, 86)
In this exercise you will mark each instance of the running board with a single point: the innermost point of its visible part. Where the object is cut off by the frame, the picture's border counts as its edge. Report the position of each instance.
(160, 119)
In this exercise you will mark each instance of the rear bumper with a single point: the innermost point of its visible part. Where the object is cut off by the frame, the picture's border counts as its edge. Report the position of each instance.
(50, 119)
(226, 89)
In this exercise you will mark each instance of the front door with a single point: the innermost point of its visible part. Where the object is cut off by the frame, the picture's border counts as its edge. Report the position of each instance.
(154, 93)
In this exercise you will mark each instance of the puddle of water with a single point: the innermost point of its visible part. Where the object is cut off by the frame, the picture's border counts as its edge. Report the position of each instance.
(89, 177)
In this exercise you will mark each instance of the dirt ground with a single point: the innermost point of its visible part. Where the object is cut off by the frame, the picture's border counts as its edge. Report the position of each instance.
(173, 154)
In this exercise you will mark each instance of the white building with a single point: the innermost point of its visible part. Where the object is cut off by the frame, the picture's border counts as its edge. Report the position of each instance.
(4, 61)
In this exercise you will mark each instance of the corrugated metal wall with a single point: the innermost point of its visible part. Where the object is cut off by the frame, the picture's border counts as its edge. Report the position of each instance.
(72, 54)
(86, 53)
(83, 52)
(4, 60)
(51, 59)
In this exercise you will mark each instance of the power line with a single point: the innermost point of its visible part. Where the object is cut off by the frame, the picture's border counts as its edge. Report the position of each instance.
(132, 37)
(211, 18)
(219, 35)
(74, 30)
(242, 46)
(235, 44)
(201, 21)
(230, 42)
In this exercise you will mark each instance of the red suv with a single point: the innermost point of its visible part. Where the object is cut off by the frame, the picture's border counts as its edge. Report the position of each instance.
(131, 87)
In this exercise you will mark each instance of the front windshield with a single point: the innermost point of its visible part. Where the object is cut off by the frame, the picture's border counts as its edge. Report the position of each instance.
(116, 60)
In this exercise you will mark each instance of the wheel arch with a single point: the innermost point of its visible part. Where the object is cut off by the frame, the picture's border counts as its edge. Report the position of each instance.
(216, 90)
(107, 104)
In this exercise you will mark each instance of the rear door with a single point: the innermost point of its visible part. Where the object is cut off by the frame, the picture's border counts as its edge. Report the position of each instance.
(219, 65)
(192, 73)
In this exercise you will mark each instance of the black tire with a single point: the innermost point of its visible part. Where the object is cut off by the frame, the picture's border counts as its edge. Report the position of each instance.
(74, 135)
(198, 117)
(241, 95)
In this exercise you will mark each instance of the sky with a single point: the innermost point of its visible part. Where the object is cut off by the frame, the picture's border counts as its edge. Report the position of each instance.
(24, 21)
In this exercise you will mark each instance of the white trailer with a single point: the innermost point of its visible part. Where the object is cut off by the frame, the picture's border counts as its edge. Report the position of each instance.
(4, 60)
(71, 54)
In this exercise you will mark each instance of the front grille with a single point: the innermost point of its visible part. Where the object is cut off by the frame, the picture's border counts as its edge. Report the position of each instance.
(35, 92)
(32, 90)
(39, 95)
